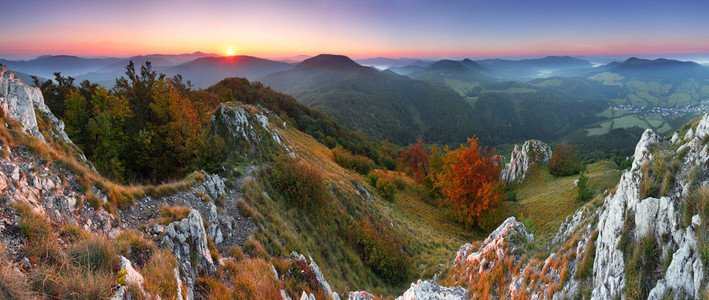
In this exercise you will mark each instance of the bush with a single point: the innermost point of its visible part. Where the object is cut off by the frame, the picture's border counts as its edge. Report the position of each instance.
(361, 164)
(585, 193)
(386, 183)
(469, 182)
(302, 186)
(383, 252)
(564, 161)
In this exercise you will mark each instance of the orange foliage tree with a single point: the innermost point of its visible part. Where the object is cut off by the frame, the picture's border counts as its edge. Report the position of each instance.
(469, 182)
(564, 161)
(414, 161)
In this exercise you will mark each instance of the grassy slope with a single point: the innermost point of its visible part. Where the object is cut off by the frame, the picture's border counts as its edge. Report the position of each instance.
(431, 237)
(547, 200)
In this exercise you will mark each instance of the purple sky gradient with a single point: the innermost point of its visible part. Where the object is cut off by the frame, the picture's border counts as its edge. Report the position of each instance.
(358, 28)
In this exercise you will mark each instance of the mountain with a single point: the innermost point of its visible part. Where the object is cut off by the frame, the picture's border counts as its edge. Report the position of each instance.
(206, 71)
(527, 69)
(45, 66)
(467, 71)
(659, 69)
(316, 72)
(388, 63)
(98, 70)
(383, 106)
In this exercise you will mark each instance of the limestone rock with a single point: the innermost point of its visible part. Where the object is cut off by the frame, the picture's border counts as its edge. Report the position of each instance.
(18, 102)
(533, 151)
(246, 128)
(429, 289)
(361, 295)
(183, 238)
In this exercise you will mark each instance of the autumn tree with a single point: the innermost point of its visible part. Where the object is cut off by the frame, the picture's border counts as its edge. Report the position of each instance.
(564, 161)
(469, 182)
(414, 161)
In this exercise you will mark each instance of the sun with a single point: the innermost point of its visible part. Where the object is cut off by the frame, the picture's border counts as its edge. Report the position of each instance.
(230, 52)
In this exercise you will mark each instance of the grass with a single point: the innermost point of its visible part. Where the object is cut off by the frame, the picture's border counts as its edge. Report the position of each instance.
(547, 200)
(159, 275)
(169, 214)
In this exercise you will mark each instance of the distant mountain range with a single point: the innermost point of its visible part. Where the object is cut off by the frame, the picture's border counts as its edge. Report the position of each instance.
(444, 101)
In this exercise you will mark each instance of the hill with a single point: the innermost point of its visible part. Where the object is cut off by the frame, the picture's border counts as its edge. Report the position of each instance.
(206, 71)
(525, 69)
(660, 69)
(441, 70)
(382, 106)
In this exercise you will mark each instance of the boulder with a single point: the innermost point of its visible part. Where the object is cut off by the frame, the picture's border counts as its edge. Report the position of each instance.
(533, 152)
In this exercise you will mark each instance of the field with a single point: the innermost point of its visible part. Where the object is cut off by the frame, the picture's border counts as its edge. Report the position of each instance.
(546, 200)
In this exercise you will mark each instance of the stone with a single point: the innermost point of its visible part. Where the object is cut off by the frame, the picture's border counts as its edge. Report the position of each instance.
(533, 152)
(429, 289)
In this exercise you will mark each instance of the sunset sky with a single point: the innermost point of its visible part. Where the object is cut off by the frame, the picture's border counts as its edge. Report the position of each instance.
(358, 28)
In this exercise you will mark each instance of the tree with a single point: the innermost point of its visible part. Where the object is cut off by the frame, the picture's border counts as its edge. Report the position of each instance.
(564, 161)
(585, 192)
(414, 161)
(469, 182)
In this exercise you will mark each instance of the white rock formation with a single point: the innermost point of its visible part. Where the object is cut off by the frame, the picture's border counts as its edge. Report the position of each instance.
(608, 266)
(533, 151)
(429, 289)
(19, 101)
(181, 238)
(249, 123)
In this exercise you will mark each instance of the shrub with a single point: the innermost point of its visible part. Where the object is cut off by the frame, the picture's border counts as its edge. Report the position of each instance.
(386, 188)
(469, 182)
(383, 252)
(564, 161)
(415, 161)
(302, 186)
(359, 163)
(585, 193)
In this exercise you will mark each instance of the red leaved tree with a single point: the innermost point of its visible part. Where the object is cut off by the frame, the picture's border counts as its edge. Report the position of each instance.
(414, 161)
(469, 182)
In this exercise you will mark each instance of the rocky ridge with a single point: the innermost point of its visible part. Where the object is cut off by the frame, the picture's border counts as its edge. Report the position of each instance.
(521, 161)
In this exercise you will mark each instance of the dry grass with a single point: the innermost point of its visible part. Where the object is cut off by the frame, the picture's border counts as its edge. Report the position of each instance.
(159, 275)
(12, 284)
(547, 200)
(169, 214)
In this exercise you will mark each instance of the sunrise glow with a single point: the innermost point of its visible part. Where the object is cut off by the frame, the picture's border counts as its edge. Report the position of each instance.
(417, 28)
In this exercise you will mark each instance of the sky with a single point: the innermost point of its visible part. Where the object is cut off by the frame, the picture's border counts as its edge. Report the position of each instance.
(357, 28)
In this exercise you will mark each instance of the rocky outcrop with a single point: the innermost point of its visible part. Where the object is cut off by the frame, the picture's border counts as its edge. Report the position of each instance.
(429, 289)
(127, 276)
(609, 265)
(187, 238)
(318, 274)
(246, 128)
(19, 101)
(533, 152)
